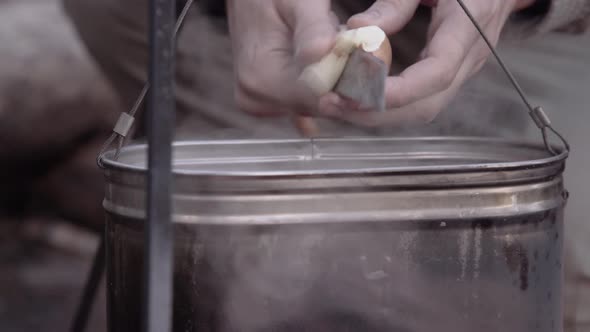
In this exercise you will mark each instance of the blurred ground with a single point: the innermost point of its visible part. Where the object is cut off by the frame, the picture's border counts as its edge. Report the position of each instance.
(55, 112)
(47, 76)
(43, 267)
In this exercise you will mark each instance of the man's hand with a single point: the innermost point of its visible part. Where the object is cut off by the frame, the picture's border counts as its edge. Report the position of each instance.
(454, 52)
(272, 41)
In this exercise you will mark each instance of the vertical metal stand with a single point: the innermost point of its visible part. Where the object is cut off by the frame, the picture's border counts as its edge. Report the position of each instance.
(158, 264)
(91, 287)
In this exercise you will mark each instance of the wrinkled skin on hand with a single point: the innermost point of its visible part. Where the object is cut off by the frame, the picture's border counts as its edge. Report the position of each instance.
(274, 39)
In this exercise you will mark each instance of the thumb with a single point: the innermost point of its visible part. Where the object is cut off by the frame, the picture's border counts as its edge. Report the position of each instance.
(315, 28)
(389, 15)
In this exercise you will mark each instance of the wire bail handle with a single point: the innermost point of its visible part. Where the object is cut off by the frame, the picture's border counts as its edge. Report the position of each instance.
(127, 119)
(537, 114)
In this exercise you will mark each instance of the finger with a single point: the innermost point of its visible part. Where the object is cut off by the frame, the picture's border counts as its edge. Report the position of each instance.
(410, 115)
(443, 57)
(275, 103)
(256, 104)
(389, 15)
(314, 29)
(420, 112)
(333, 105)
(435, 22)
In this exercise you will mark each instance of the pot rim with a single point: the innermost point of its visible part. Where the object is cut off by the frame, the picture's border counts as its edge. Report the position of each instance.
(107, 163)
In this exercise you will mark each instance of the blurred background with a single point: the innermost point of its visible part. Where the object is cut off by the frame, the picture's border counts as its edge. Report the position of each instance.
(50, 202)
(50, 211)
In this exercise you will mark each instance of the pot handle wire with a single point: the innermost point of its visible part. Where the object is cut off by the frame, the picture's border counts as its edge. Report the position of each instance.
(537, 114)
(127, 119)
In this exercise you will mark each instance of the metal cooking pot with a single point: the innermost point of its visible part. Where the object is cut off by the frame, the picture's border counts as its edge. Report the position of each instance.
(417, 234)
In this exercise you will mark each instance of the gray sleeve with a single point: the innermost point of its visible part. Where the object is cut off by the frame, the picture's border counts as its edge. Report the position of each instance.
(561, 15)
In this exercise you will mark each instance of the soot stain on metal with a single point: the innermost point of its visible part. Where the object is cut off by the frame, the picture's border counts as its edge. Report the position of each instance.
(517, 260)
(464, 245)
(483, 224)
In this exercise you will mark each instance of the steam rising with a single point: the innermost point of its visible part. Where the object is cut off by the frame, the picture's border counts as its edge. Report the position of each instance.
(354, 277)
(357, 278)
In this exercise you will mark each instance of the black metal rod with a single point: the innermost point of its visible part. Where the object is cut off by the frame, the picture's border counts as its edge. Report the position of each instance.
(90, 289)
(157, 311)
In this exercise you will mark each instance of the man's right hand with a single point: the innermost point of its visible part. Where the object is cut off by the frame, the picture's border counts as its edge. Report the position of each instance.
(273, 40)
